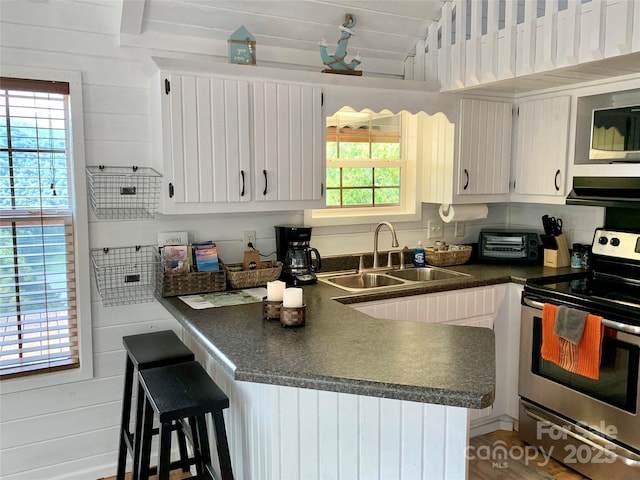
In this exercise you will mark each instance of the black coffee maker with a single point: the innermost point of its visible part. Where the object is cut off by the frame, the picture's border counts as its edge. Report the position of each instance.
(299, 260)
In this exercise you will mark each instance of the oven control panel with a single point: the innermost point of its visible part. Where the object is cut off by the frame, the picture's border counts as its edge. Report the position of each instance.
(616, 244)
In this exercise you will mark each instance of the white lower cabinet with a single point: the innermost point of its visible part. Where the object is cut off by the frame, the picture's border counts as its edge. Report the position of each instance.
(490, 307)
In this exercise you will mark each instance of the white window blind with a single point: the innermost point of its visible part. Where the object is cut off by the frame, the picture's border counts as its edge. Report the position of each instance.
(38, 317)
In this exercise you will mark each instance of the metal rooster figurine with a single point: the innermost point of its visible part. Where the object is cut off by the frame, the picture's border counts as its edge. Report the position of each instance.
(336, 62)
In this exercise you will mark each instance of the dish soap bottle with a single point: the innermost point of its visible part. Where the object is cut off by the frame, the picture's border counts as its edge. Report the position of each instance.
(419, 257)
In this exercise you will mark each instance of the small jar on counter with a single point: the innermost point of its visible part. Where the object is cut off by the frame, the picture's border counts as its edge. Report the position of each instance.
(576, 256)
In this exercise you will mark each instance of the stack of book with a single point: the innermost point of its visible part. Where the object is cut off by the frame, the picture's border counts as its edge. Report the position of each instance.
(178, 256)
(205, 257)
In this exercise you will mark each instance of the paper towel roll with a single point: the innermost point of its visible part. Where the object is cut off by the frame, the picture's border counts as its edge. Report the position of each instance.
(463, 213)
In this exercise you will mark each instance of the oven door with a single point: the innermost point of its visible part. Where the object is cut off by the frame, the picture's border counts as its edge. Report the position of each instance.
(608, 406)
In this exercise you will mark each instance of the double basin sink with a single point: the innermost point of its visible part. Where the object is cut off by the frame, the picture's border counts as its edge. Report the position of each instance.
(388, 279)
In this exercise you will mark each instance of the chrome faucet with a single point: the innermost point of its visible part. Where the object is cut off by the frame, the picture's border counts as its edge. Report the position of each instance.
(394, 241)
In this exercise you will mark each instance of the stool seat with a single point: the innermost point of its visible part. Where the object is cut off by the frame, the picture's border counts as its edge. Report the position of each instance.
(185, 394)
(155, 349)
(182, 390)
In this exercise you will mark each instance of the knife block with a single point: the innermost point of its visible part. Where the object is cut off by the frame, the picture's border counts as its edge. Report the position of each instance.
(560, 256)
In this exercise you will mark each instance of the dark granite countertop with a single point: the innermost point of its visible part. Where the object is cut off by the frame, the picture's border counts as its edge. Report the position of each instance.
(343, 350)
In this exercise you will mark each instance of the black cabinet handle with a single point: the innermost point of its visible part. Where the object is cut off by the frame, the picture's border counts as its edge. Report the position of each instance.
(466, 185)
(170, 190)
(242, 175)
(167, 86)
(321, 189)
(555, 180)
(265, 182)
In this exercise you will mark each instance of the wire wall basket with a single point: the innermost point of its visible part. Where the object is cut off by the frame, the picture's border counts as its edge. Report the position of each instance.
(123, 192)
(125, 275)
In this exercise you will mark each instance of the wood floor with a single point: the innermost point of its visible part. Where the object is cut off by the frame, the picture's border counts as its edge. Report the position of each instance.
(554, 469)
(175, 475)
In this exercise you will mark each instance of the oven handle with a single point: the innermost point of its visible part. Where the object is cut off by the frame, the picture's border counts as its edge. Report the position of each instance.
(621, 327)
(628, 461)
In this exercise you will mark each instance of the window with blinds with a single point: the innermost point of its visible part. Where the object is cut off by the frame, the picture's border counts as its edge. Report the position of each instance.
(38, 317)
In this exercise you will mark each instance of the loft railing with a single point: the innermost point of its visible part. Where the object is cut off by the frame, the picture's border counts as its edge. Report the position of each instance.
(481, 41)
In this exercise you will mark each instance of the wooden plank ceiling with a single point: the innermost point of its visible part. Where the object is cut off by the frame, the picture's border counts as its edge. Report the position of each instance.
(287, 33)
(385, 34)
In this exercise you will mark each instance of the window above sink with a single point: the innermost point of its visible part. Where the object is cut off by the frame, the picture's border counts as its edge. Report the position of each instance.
(373, 165)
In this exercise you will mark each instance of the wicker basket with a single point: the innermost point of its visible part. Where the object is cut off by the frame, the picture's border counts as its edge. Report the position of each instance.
(192, 283)
(171, 285)
(446, 258)
(266, 272)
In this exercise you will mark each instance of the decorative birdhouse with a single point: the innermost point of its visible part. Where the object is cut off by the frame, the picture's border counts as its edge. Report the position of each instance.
(242, 47)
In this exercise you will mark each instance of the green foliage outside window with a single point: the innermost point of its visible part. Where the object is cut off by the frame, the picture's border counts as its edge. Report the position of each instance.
(38, 154)
(363, 186)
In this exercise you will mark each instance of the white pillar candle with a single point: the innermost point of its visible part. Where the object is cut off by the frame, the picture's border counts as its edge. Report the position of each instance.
(292, 298)
(275, 291)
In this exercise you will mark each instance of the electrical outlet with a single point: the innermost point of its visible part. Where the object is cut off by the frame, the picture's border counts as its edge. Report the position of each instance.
(459, 229)
(249, 237)
(435, 229)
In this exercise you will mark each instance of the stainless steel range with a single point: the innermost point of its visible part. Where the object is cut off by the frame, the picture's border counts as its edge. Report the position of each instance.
(592, 425)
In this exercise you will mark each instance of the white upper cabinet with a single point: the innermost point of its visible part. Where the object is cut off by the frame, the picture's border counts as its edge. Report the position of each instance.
(288, 142)
(468, 161)
(208, 140)
(485, 147)
(540, 163)
(227, 145)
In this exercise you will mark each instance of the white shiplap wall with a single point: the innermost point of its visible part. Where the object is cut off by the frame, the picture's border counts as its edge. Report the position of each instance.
(70, 431)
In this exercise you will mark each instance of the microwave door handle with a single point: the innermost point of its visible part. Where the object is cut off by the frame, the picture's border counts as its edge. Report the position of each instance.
(621, 327)
(606, 451)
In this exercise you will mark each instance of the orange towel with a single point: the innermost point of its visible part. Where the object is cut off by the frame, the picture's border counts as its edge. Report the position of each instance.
(584, 358)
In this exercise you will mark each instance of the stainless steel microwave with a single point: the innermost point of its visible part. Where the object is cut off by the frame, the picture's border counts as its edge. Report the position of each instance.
(615, 134)
(511, 246)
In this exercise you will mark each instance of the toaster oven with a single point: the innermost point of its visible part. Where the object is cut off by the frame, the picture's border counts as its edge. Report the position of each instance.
(509, 246)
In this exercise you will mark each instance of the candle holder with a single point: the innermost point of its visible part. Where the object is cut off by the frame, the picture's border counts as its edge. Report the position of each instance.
(293, 316)
(271, 309)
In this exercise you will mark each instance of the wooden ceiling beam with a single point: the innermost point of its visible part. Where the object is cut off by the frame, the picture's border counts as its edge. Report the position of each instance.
(131, 16)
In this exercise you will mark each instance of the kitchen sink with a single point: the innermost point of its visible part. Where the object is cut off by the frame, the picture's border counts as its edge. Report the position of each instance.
(387, 279)
(364, 280)
(425, 274)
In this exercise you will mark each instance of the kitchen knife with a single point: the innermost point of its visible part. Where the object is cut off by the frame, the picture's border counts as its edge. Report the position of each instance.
(547, 225)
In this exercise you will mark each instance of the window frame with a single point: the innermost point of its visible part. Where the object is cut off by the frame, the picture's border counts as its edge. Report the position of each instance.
(410, 208)
(79, 209)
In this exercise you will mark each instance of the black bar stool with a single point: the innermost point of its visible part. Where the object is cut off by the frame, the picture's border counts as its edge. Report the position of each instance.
(183, 393)
(147, 350)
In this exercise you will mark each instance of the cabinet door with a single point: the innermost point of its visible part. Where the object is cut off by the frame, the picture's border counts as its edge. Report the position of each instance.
(288, 137)
(485, 147)
(207, 122)
(541, 147)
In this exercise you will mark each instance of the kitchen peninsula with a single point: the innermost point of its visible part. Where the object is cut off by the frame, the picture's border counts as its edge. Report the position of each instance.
(348, 395)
